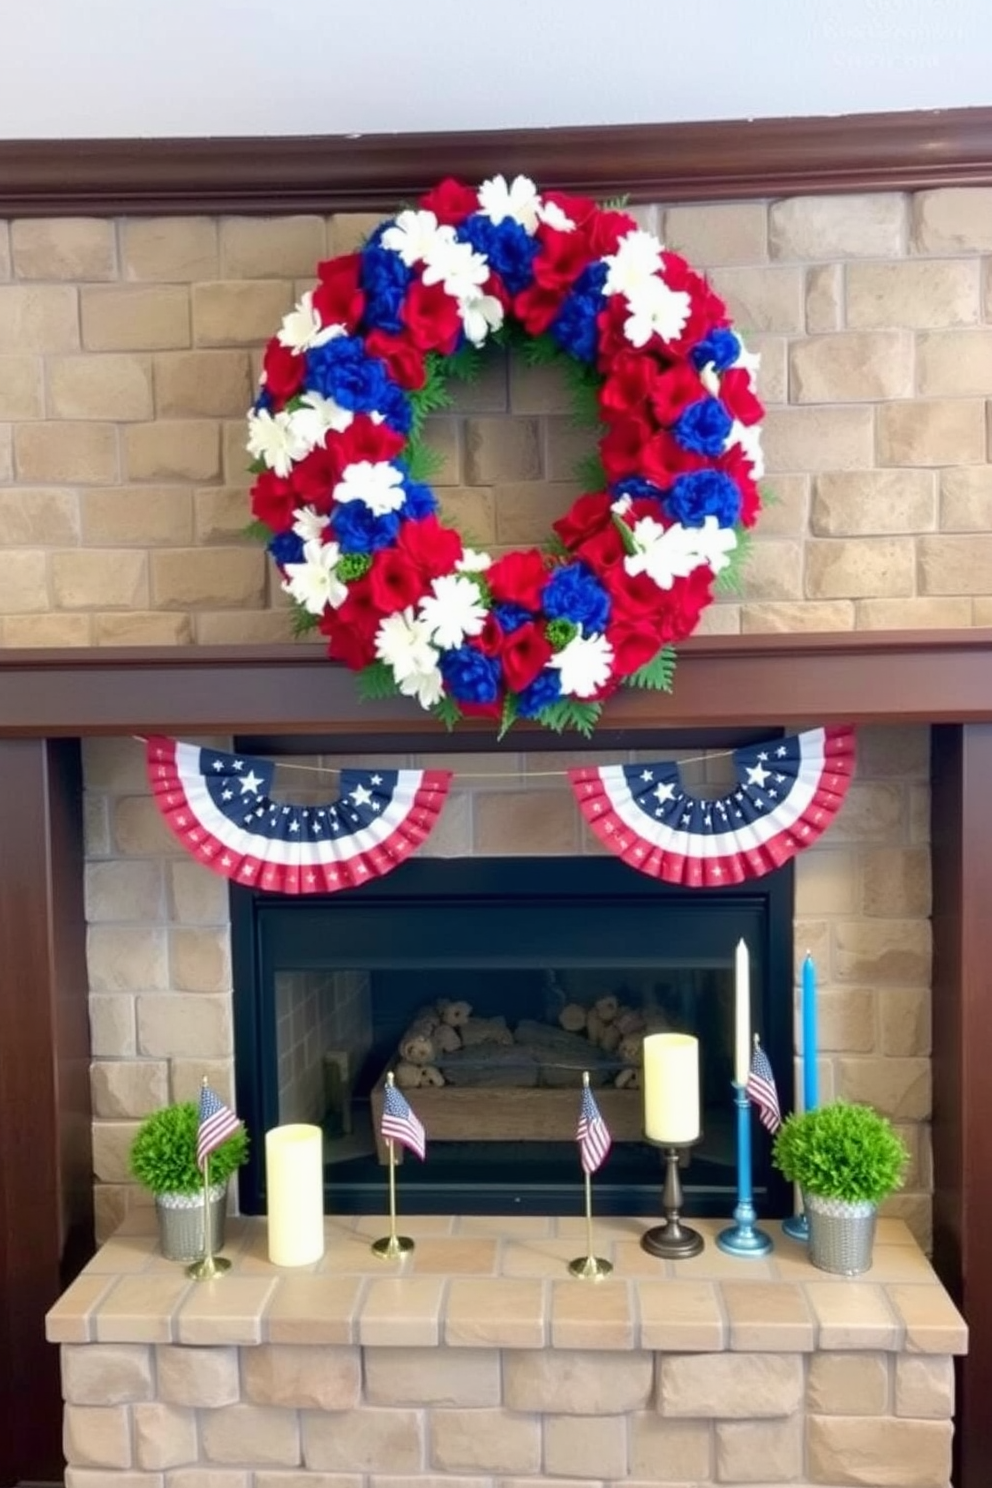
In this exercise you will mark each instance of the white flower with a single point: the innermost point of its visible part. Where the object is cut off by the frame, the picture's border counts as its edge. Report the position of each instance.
(426, 687)
(518, 200)
(454, 265)
(715, 543)
(314, 583)
(669, 553)
(655, 310)
(453, 610)
(302, 328)
(402, 643)
(275, 440)
(749, 361)
(378, 483)
(622, 505)
(551, 214)
(473, 562)
(309, 523)
(585, 665)
(710, 379)
(748, 436)
(317, 417)
(637, 259)
(480, 314)
(412, 236)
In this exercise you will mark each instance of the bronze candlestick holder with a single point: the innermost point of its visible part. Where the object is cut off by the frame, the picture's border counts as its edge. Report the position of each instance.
(673, 1240)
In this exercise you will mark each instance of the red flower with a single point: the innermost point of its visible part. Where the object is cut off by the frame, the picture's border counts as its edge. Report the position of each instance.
(394, 581)
(612, 340)
(706, 309)
(629, 384)
(585, 518)
(490, 642)
(622, 449)
(737, 394)
(451, 201)
(605, 231)
(536, 307)
(315, 476)
(602, 551)
(577, 208)
(351, 629)
(519, 578)
(482, 710)
(338, 298)
(633, 646)
(364, 440)
(674, 390)
(562, 259)
(431, 317)
(432, 549)
(405, 363)
(637, 601)
(526, 652)
(735, 464)
(283, 370)
(273, 501)
(663, 458)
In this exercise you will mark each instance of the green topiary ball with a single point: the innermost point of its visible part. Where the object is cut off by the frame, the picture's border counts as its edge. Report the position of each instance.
(841, 1151)
(163, 1153)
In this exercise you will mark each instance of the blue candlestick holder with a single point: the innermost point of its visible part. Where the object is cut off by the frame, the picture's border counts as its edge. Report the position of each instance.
(743, 1238)
(797, 1227)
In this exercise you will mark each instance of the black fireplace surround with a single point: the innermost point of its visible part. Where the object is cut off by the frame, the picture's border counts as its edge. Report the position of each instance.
(515, 936)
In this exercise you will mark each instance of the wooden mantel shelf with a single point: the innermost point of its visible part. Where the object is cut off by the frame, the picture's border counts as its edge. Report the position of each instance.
(720, 682)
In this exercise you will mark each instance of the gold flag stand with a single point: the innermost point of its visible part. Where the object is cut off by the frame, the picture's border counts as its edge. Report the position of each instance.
(209, 1265)
(392, 1246)
(589, 1267)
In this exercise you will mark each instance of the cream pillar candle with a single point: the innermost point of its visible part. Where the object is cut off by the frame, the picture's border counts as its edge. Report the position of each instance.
(294, 1185)
(671, 1088)
(742, 1012)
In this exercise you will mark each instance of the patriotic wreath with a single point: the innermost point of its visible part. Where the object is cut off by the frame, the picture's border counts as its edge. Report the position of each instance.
(342, 495)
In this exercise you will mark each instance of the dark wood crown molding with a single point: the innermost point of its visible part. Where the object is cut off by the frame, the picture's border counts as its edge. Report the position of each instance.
(714, 161)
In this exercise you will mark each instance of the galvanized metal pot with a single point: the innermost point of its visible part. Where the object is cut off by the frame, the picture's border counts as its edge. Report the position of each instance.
(841, 1234)
(180, 1223)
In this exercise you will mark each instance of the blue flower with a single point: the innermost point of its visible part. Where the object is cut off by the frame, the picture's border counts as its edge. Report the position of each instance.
(420, 501)
(574, 593)
(341, 370)
(358, 531)
(703, 427)
(510, 617)
(574, 328)
(544, 690)
(286, 547)
(637, 488)
(721, 347)
(395, 408)
(701, 494)
(385, 279)
(263, 402)
(507, 246)
(470, 676)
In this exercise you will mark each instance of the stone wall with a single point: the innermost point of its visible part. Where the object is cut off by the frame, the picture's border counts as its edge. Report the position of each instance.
(128, 351)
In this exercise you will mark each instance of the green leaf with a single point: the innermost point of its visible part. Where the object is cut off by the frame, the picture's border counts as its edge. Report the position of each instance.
(434, 394)
(731, 579)
(657, 673)
(301, 621)
(257, 466)
(376, 681)
(541, 351)
(616, 203)
(556, 548)
(448, 711)
(465, 363)
(423, 461)
(571, 713)
(626, 536)
(509, 715)
(589, 471)
(257, 531)
(769, 497)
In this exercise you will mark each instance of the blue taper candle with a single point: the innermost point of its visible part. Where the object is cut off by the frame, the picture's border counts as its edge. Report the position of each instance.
(811, 1083)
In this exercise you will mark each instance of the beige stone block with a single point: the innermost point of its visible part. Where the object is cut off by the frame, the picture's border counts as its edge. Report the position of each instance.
(177, 1025)
(773, 570)
(826, 882)
(221, 514)
(784, 506)
(6, 268)
(853, 1315)
(200, 959)
(663, 1451)
(770, 1316)
(759, 1451)
(42, 317)
(912, 614)
(131, 318)
(229, 578)
(954, 364)
(201, 384)
(405, 1311)
(349, 231)
(904, 1021)
(110, 1207)
(104, 386)
(204, 1377)
(956, 565)
(142, 628)
(847, 1020)
(111, 1149)
(956, 219)
(145, 516)
(729, 1385)
(472, 509)
(526, 510)
(39, 515)
(899, 1088)
(878, 1450)
(982, 611)
(112, 1026)
(366, 1440)
(47, 630)
(916, 294)
(239, 313)
(235, 458)
(585, 1446)
(932, 1323)
(128, 1088)
(114, 765)
(498, 450)
(196, 896)
(485, 1441)
(940, 432)
(773, 369)
(182, 449)
(966, 499)
(538, 388)
(718, 233)
(229, 1477)
(100, 578)
(801, 439)
(80, 454)
(925, 1386)
(253, 1434)
(247, 628)
(762, 299)
(443, 436)
(123, 958)
(96, 1436)
(535, 822)
(575, 1383)
(807, 615)
(270, 247)
(855, 366)
(447, 1377)
(873, 502)
(23, 582)
(187, 1076)
(7, 452)
(169, 248)
(828, 227)
(88, 1477)
(105, 1374)
(892, 951)
(861, 567)
(488, 391)
(22, 394)
(302, 1378)
(848, 1384)
(895, 881)
(164, 1436)
(825, 299)
(720, 619)
(497, 1312)
(73, 248)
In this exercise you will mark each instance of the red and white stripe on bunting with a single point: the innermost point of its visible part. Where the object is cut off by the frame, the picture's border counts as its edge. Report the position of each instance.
(787, 793)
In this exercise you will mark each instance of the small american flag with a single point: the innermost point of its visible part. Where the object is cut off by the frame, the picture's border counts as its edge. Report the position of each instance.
(217, 1123)
(761, 1089)
(399, 1124)
(592, 1134)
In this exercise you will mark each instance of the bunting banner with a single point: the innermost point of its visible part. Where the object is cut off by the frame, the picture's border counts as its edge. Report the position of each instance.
(220, 808)
(787, 793)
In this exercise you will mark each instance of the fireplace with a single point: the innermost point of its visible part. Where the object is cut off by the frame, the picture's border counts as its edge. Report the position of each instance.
(327, 988)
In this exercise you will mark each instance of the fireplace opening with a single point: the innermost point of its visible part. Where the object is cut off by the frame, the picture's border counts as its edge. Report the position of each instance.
(564, 965)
